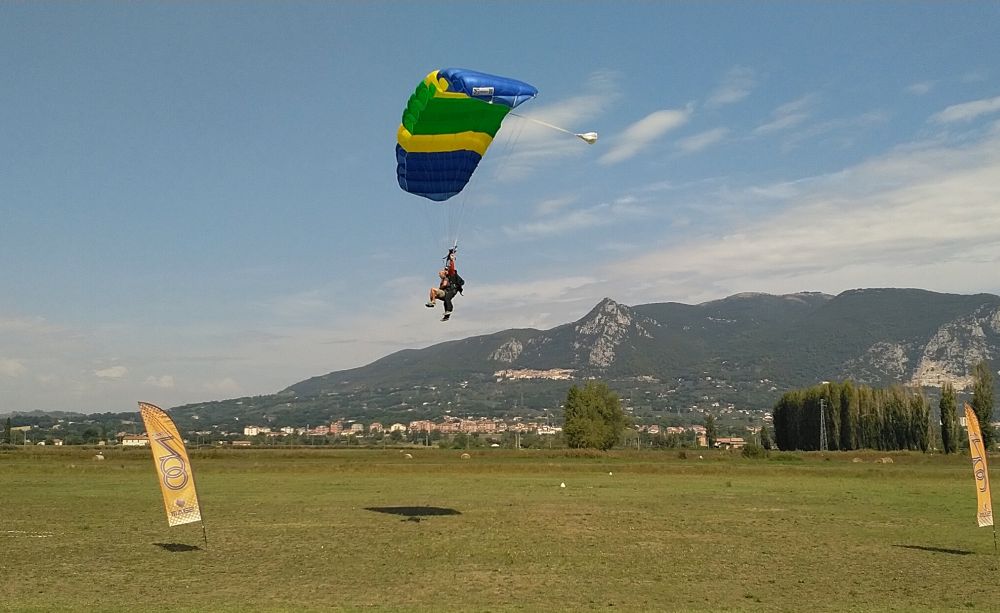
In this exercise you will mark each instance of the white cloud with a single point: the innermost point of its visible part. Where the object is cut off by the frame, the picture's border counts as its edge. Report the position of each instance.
(967, 111)
(975, 76)
(841, 130)
(737, 85)
(554, 205)
(12, 368)
(163, 382)
(622, 210)
(920, 89)
(226, 387)
(113, 372)
(23, 324)
(702, 140)
(788, 115)
(301, 304)
(643, 133)
(570, 222)
(922, 216)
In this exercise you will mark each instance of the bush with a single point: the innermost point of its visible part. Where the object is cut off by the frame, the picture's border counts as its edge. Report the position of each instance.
(786, 457)
(584, 453)
(754, 451)
(593, 417)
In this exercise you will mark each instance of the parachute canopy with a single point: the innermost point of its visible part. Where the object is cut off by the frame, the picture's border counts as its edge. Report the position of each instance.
(447, 125)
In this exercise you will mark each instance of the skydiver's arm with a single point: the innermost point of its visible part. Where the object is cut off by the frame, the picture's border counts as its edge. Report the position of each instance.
(451, 261)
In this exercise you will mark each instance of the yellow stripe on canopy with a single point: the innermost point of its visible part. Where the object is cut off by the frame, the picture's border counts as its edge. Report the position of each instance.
(437, 143)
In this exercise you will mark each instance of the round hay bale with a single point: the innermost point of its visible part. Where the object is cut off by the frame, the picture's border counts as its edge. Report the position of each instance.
(408, 456)
(466, 456)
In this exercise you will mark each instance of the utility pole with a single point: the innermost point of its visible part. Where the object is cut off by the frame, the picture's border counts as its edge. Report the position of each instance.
(822, 425)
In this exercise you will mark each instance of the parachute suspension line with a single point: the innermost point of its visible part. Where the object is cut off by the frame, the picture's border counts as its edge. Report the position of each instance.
(508, 147)
(436, 218)
(456, 213)
(499, 156)
(431, 215)
(588, 137)
(459, 211)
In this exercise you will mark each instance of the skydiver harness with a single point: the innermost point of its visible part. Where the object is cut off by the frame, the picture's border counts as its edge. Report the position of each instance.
(455, 281)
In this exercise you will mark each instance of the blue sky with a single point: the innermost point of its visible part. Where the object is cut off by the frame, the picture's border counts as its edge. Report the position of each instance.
(198, 200)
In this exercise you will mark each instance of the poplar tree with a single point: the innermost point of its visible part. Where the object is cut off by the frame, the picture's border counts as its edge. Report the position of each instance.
(710, 432)
(949, 424)
(848, 416)
(765, 438)
(982, 401)
(920, 422)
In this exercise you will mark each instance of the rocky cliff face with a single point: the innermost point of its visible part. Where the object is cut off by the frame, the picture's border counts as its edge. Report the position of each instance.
(957, 346)
(881, 360)
(508, 352)
(599, 334)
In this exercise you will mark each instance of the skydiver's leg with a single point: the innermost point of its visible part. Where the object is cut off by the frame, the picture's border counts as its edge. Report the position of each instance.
(435, 293)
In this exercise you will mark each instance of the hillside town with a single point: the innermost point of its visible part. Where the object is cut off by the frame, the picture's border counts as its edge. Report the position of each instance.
(250, 426)
(481, 431)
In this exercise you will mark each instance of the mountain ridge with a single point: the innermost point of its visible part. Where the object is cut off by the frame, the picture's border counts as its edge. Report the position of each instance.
(744, 349)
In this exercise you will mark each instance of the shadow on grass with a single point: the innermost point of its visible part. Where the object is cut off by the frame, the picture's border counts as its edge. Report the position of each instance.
(956, 552)
(176, 547)
(414, 513)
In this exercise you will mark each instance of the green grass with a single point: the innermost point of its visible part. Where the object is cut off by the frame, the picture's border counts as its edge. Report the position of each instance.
(292, 530)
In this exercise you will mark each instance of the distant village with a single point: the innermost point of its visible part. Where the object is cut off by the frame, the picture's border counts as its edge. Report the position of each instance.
(448, 427)
(487, 431)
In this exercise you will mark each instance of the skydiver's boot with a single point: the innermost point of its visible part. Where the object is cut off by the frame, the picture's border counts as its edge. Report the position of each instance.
(447, 316)
(429, 305)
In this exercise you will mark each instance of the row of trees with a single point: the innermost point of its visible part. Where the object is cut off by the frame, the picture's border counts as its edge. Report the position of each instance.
(860, 417)
(855, 417)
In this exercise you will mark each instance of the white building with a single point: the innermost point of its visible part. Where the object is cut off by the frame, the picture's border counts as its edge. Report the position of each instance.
(134, 440)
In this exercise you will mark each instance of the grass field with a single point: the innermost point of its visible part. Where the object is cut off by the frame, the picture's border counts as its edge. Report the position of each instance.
(374, 531)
